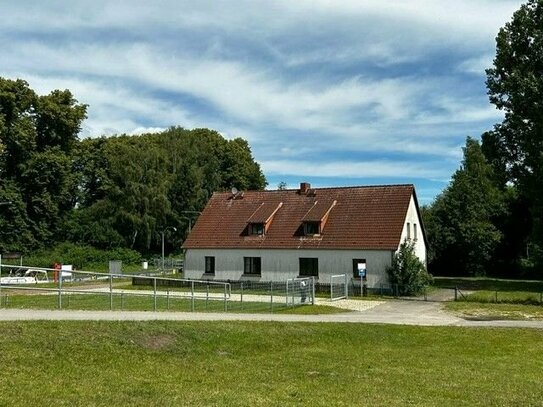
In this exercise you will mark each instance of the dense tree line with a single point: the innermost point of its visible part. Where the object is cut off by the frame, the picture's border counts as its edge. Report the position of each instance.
(119, 191)
(490, 218)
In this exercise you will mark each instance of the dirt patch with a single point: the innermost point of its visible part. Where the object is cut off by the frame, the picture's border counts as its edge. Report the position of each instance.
(158, 342)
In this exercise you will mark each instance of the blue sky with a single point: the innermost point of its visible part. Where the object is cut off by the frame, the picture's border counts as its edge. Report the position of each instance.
(329, 92)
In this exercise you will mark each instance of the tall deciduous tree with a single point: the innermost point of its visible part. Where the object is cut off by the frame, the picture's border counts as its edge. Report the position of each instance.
(515, 86)
(38, 134)
(133, 187)
(460, 223)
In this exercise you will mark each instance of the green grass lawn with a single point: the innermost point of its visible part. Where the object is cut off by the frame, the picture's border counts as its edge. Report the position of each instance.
(489, 284)
(490, 290)
(490, 311)
(266, 364)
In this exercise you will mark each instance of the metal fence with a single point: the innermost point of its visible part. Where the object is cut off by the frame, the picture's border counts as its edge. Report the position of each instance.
(339, 287)
(354, 289)
(48, 288)
(498, 296)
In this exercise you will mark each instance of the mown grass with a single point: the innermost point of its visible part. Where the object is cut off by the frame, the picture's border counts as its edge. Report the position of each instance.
(266, 364)
(495, 299)
(488, 290)
(491, 311)
(131, 302)
(504, 297)
(489, 284)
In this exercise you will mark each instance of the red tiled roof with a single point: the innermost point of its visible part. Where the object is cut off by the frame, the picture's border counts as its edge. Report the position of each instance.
(369, 217)
(318, 211)
(264, 212)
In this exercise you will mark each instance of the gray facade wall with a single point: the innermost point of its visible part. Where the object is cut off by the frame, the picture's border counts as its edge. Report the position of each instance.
(282, 264)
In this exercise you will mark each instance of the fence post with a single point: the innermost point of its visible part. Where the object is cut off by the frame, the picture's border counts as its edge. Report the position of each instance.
(313, 291)
(192, 296)
(60, 289)
(111, 292)
(226, 287)
(271, 296)
(154, 293)
(168, 299)
(241, 285)
(456, 293)
(207, 294)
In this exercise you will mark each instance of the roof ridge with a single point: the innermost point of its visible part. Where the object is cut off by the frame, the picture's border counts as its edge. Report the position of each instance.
(325, 188)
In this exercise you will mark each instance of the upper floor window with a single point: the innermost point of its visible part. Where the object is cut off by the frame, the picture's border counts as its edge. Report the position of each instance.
(408, 230)
(415, 231)
(311, 228)
(256, 229)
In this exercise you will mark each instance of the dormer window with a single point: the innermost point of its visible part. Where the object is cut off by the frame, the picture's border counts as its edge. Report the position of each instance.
(312, 228)
(256, 229)
(314, 221)
(260, 220)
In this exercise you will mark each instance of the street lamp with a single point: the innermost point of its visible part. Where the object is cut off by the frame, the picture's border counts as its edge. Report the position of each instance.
(190, 219)
(164, 230)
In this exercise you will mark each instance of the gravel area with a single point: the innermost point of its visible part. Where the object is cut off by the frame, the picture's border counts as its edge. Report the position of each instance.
(351, 305)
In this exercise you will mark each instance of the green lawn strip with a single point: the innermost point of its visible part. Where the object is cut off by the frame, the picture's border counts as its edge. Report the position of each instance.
(508, 297)
(490, 311)
(132, 302)
(266, 364)
(489, 284)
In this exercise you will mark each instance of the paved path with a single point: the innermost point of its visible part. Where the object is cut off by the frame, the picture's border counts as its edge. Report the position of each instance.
(389, 312)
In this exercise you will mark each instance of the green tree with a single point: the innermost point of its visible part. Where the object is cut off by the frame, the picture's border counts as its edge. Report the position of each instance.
(37, 134)
(407, 271)
(460, 222)
(133, 187)
(515, 86)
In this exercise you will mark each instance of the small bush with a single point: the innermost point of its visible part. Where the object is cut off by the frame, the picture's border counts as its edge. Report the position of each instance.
(407, 271)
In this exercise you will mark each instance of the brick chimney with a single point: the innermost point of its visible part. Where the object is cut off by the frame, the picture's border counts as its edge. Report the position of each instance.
(304, 187)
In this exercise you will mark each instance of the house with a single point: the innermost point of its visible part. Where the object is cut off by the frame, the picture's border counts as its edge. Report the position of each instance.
(277, 235)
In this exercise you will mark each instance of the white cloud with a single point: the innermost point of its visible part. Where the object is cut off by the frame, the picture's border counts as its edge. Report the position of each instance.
(294, 77)
(114, 109)
(477, 65)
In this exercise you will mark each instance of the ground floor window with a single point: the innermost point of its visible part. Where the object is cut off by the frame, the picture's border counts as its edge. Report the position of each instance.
(252, 266)
(359, 268)
(309, 266)
(210, 265)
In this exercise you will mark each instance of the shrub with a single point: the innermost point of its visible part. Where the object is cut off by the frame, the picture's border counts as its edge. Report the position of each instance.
(408, 271)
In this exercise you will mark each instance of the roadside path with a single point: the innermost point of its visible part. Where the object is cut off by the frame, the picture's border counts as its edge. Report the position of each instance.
(389, 312)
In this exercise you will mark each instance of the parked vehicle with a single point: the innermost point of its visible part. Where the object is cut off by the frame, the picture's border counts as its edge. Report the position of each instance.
(30, 276)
